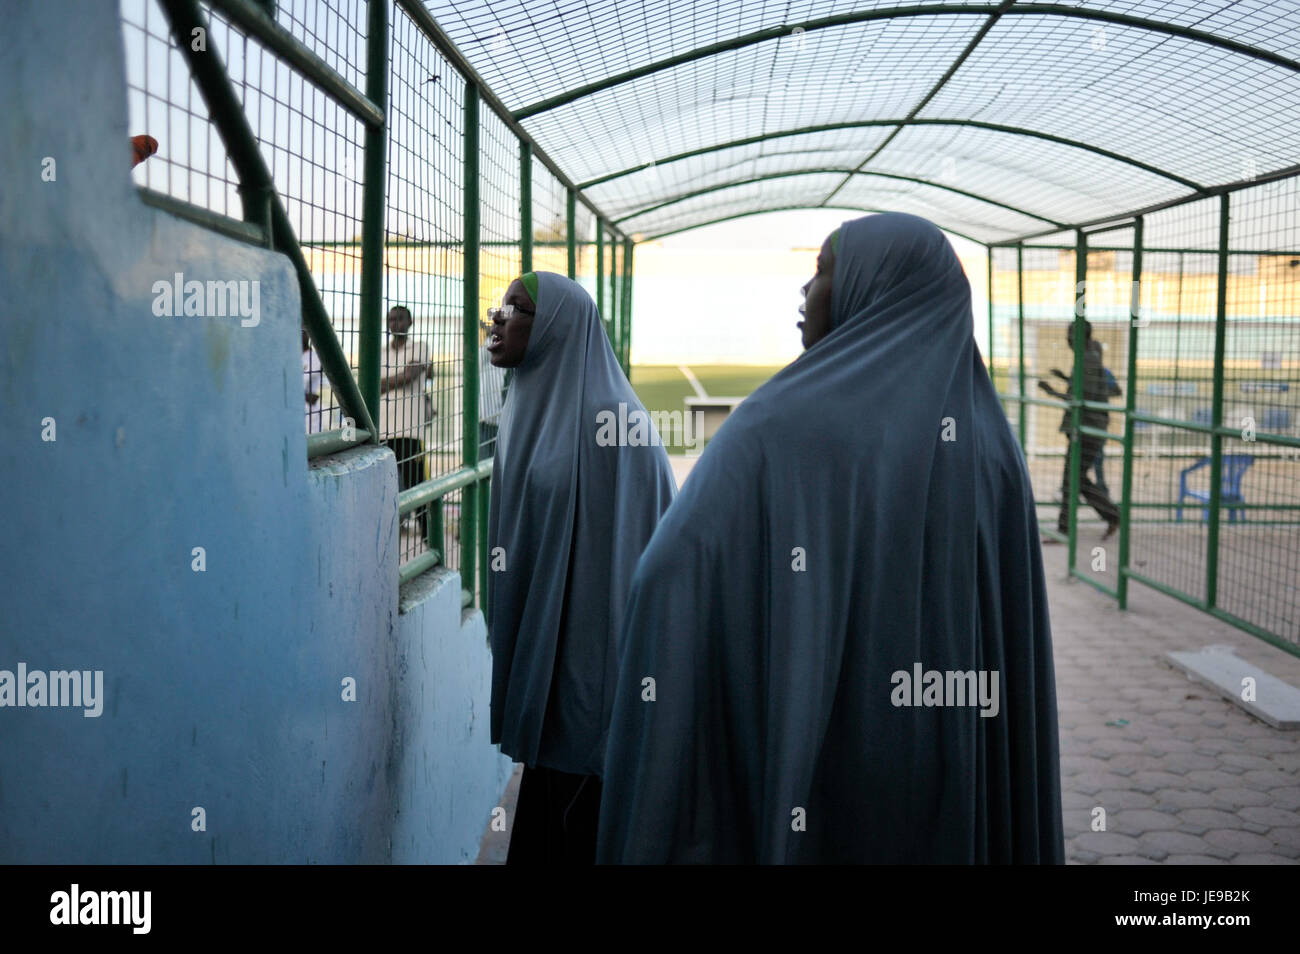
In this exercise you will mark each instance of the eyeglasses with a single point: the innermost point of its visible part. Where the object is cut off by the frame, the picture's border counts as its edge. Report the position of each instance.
(506, 312)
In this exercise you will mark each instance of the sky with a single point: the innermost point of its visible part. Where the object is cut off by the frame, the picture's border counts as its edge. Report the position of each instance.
(729, 293)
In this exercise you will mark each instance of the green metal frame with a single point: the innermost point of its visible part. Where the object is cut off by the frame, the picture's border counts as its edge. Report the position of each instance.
(1076, 384)
(525, 207)
(639, 237)
(625, 334)
(1216, 406)
(266, 223)
(914, 121)
(696, 193)
(1130, 407)
(991, 13)
(886, 13)
(1216, 431)
(469, 342)
(1020, 338)
(571, 223)
(374, 201)
(263, 207)
(989, 359)
(600, 276)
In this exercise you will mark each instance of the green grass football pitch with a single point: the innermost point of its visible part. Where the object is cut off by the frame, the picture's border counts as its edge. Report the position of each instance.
(663, 387)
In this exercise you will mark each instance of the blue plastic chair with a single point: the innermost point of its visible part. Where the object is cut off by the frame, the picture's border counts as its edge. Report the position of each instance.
(1234, 468)
(1276, 420)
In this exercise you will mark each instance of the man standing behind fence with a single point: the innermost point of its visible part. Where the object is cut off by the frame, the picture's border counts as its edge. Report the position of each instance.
(401, 404)
(1090, 446)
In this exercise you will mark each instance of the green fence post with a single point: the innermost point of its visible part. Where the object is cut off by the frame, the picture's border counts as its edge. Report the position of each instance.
(525, 206)
(571, 219)
(433, 527)
(484, 491)
(372, 212)
(1076, 388)
(469, 334)
(227, 111)
(1130, 404)
(600, 276)
(1020, 336)
(615, 305)
(989, 359)
(629, 250)
(1216, 412)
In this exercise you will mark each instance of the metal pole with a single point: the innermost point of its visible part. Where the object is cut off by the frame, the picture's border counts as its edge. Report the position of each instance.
(1020, 297)
(1076, 388)
(483, 491)
(525, 206)
(469, 336)
(1130, 404)
(372, 212)
(600, 276)
(989, 359)
(1216, 411)
(629, 250)
(572, 216)
(261, 204)
(615, 305)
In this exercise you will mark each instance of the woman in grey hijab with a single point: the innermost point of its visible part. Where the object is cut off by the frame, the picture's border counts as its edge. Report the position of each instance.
(837, 646)
(574, 502)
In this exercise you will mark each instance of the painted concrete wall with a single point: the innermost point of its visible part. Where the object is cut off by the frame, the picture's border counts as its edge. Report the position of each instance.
(222, 688)
(444, 679)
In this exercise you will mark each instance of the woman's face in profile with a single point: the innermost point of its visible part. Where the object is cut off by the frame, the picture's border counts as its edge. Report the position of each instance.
(512, 323)
(816, 308)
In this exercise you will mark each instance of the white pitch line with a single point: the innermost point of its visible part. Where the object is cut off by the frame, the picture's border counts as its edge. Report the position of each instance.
(695, 382)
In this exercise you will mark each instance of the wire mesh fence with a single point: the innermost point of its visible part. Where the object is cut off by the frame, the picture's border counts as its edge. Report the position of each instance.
(297, 71)
(423, 266)
(1191, 400)
(1204, 459)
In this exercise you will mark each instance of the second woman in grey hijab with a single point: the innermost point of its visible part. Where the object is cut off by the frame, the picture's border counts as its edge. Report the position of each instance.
(574, 502)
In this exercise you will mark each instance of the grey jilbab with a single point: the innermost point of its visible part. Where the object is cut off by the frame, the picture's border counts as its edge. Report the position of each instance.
(571, 518)
(865, 513)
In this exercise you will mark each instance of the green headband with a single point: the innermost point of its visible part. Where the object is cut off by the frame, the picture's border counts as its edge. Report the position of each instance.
(530, 284)
(835, 242)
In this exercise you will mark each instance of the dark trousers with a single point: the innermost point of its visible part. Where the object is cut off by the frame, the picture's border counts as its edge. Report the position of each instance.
(409, 452)
(1089, 450)
(555, 819)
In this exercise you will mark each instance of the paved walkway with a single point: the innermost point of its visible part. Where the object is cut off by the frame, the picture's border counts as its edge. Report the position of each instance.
(1184, 776)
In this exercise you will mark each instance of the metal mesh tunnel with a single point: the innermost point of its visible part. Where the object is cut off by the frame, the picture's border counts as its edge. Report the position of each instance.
(1129, 163)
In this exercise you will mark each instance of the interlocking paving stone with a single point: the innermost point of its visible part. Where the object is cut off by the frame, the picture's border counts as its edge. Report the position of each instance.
(1238, 841)
(1180, 798)
(1151, 781)
(1120, 799)
(1262, 859)
(1208, 779)
(1267, 815)
(1288, 798)
(1159, 844)
(1246, 760)
(1267, 779)
(1107, 843)
(1092, 782)
(1235, 798)
(1288, 835)
(1137, 821)
(1127, 860)
(1208, 818)
(1190, 778)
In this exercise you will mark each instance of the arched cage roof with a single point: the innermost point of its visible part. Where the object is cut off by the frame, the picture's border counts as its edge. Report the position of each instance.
(997, 121)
